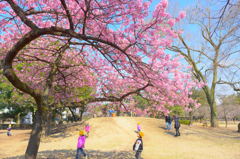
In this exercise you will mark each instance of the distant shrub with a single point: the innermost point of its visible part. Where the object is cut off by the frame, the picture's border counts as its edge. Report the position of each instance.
(177, 110)
(185, 122)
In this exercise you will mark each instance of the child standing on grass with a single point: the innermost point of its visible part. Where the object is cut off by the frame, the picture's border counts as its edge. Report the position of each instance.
(138, 145)
(87, 129)
(9, 130)
(81, 145)
(138, 127)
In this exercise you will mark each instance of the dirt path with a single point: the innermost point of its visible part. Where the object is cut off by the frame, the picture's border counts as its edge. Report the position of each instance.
(112, 138)
(13, 145)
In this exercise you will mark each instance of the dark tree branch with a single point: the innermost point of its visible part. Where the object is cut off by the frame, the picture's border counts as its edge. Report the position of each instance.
(113, 98)
(22, 15)
(68, 14)
(232, 84)
(221, 16)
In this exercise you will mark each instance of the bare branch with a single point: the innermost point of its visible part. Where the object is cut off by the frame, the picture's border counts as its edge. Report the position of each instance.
(221, 16)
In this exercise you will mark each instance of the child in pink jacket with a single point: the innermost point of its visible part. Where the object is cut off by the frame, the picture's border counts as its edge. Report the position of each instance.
(87, 129)
(81, 145)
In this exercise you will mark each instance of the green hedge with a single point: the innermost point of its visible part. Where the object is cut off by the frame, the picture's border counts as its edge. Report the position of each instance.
(185, 122)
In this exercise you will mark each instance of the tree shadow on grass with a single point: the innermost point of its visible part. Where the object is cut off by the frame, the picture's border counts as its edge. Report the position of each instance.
(92, 154)
(214, 132)
(168, 132)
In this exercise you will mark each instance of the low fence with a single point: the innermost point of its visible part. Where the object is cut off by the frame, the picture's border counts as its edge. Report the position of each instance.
(62, 127)
(16, 126)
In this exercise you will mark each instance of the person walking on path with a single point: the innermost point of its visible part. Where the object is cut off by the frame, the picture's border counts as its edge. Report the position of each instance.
(138, 127)
(9, 130)
(138, 145)
(168, 121)
(81, 145)
(87, 129)
(176, 125)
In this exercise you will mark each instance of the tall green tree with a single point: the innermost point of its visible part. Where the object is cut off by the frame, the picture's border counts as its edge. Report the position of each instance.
(14, 104)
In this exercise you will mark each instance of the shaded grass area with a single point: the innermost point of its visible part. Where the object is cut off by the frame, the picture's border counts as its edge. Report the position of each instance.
(92, 154)
(205, 132)
(212, 132)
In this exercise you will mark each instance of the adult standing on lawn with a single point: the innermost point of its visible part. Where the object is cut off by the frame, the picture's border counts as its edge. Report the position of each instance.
(168, 121)
(176, 125)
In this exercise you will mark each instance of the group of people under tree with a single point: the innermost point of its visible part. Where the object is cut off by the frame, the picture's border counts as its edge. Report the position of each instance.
(62, 50)
(169, 119)
(83, 134)
(138, 144)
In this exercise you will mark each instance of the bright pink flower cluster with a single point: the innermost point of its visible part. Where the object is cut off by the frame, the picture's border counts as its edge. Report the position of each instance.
(116, 48)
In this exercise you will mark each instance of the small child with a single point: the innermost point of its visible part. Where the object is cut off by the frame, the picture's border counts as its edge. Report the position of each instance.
(9, 130)
(138, 127)
(87, 129)
(138, 145)
(81, 145)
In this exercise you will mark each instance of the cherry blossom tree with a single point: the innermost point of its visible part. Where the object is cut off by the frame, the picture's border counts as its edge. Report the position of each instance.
(51, 47)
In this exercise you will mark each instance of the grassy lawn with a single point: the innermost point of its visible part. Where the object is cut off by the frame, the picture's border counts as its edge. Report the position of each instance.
(112, 138)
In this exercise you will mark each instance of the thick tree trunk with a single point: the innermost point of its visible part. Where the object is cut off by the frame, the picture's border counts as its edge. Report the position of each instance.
(190, 117)
(18, 119)
(33, 116)
(118, 112)
(48, 123)
(73, 114)
(213, 115)
(82, 110)
(81, 114)
(239, 127)
(34, 141)
(226, 122)
(225, 118)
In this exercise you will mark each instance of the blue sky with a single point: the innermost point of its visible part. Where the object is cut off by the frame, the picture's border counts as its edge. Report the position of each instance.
(177, 5)
(174, 7)
(181, 3)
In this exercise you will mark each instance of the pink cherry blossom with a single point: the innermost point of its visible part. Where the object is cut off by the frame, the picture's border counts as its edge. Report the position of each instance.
(112, 49)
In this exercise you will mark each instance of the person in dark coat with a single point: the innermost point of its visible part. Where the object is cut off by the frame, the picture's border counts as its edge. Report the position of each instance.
(138, 145)
(177, 125)
(168, 121)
